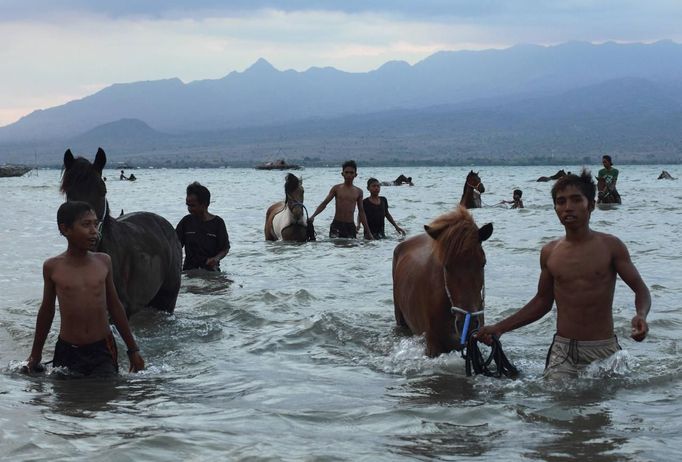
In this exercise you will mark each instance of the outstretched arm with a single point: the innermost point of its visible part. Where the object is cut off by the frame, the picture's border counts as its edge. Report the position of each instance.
(392, 221)
(118, 316)
(535, 309)
(629, 274)
(323, 205)
(44, 320)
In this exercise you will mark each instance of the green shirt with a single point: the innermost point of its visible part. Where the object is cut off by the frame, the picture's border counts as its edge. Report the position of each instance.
(610, 176)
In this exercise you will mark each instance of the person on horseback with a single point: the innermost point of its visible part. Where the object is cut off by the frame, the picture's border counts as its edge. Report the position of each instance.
(202, 234)
(610, 177)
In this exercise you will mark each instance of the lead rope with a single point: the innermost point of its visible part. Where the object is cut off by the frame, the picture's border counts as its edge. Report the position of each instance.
(473, 358)
(475, 364)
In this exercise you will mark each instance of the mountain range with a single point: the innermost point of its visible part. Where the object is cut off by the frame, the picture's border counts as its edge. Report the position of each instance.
(527, 103)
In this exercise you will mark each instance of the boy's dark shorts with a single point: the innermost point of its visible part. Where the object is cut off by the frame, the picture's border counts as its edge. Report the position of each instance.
(96, 359)
(342, 229)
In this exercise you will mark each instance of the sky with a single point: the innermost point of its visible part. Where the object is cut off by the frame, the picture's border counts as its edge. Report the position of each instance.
(55, 51)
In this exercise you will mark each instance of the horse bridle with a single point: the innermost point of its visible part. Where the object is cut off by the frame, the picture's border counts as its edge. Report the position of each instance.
(475, 188)
(294, 203)
(100, 222)
(467, 314)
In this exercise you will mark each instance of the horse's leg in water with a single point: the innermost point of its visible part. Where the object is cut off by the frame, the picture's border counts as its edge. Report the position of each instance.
(167, 296)
(399, 319)
(269, 231)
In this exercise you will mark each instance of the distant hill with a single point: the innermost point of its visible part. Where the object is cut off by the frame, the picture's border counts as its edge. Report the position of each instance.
(125, 133)
(525, 102)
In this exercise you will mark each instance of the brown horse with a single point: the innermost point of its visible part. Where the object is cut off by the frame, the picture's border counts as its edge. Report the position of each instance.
(145, 252)
(606, 194)
(471, 194)
(286, 219)
(438, 278)
(556, 176)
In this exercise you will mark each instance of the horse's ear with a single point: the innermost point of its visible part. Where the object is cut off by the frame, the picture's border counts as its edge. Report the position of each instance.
(434, 233)
(100, 159)
(485, 232)
(68, 159)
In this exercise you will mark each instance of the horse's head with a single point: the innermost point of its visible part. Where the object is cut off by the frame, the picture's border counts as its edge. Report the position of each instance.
(293, 190)
(82, 180)
(474, 181)
(558, 174)
(457, 247)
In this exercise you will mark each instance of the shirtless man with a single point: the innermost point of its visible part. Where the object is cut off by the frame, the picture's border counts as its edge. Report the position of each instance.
(347, 198)
(83, 284)
(578, 272)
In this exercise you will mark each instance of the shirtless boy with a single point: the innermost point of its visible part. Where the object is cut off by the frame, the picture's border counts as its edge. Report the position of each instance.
(83, 284)
(516, 202)
(578, 272)
(347, 198)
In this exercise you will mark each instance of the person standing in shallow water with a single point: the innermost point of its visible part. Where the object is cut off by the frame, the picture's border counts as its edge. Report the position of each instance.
(202, 234)
(82, 281)
(376, 209)
(347, 198)
(578, 272)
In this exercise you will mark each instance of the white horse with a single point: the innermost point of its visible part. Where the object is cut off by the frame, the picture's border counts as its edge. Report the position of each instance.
(286, 220)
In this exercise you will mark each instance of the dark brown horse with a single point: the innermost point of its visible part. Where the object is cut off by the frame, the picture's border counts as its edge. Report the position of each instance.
(287, 219)
(556, 176)
(399, 181)
(145, 252)
(471, 194)
(438, 277)
(606, 194)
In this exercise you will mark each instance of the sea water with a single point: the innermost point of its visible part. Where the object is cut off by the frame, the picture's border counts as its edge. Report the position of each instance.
(291, 352)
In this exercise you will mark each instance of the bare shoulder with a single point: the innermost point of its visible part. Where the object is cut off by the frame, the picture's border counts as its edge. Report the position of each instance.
(52, 262)
(101, 257)
(611, 242)
(357, 190)
(548, 248)
(608, 239)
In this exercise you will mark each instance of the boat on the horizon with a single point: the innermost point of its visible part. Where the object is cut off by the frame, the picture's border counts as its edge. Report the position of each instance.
(8, 170)
(279, 164)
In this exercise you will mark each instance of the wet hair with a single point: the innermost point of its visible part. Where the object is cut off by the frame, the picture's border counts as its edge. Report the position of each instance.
(584, 182)
(607, 157)
(519, 192)
(350, 163)
(201, 192)
(71, 211)
(372, 181)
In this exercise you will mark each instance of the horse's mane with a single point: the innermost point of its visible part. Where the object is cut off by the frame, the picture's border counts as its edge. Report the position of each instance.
(291, 184)
(457, 235)
(84, 174)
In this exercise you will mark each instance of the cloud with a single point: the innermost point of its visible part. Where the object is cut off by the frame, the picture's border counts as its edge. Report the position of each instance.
(54, 51)
(432, 10)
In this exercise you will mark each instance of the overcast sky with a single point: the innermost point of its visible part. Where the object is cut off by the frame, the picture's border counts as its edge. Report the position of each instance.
(54, 51)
